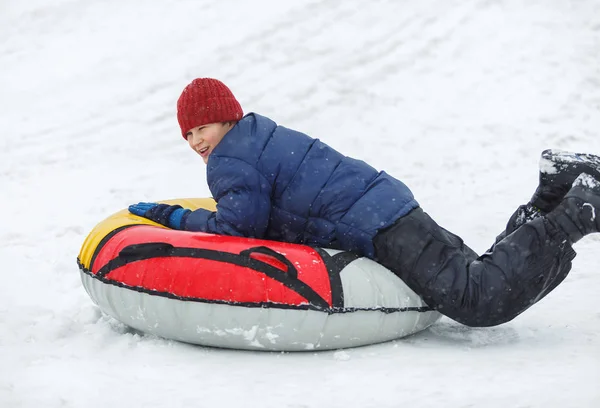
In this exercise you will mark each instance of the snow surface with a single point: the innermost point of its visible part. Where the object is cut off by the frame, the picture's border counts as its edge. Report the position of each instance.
(455, 98)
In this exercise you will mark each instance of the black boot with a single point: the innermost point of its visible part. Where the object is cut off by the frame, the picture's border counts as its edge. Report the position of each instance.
(558, 171)
(578, 214)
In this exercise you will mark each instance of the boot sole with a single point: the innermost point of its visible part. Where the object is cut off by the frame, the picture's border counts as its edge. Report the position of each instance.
(587, 189)
(557, 161)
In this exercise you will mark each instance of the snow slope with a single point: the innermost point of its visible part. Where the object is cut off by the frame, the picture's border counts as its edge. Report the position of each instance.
(456, 98)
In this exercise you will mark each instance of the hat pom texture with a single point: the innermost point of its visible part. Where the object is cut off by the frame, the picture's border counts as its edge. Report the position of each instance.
(206, 100)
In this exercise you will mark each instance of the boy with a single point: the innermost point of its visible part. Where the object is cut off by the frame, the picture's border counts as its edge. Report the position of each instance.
(275, 183)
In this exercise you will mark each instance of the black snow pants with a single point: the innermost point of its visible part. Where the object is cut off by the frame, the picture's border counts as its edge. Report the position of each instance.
(522, 267)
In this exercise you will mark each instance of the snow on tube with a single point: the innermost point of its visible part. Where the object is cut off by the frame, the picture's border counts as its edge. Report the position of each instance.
(243, 293)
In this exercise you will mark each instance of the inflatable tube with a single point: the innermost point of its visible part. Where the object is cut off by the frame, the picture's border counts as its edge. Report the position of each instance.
(243, 293)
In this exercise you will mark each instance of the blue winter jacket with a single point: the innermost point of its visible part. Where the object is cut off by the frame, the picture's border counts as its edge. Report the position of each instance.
(275, 183)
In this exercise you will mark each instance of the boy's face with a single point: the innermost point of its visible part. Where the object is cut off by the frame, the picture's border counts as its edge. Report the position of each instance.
(203, 139)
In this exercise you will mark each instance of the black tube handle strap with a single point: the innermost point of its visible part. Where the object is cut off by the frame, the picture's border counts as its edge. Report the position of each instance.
(146, 250)
(291, 269)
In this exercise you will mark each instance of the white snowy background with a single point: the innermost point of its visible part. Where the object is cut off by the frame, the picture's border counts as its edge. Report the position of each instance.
(455, 98)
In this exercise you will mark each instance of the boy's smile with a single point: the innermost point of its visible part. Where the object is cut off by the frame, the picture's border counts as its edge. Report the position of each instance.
(203, 139)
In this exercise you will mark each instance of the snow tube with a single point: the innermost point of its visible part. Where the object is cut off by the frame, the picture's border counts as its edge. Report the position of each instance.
(243, 293)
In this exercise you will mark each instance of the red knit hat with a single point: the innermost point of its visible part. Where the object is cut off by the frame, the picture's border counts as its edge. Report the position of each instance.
(206, 100)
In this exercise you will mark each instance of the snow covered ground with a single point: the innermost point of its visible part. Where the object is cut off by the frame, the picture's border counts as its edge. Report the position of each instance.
(456, 98)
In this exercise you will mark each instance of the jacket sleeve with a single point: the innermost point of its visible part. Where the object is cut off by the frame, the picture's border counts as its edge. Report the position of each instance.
(243, 197)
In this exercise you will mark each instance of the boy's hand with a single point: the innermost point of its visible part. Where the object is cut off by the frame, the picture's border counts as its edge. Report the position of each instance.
(141, 208)
(172, 216)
